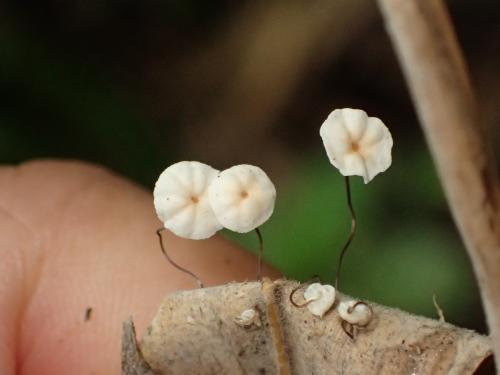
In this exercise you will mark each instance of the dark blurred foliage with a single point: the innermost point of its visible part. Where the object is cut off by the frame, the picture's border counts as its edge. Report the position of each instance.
(136, 86)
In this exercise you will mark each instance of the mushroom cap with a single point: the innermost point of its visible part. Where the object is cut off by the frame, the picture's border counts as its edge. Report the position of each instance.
(354, 312)
(320, 298)
(248, 317)
(242, 197)
(181, 200)
(356, 144)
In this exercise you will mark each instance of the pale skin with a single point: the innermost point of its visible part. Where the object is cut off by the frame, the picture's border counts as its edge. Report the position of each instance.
(75, 237)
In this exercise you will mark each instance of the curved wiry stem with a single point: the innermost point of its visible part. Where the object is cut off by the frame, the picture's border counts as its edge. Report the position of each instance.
(182, 269)
(351, 235)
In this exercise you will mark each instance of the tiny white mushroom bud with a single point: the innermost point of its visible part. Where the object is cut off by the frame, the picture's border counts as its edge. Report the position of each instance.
(242, 197)
(355, 312)
(181, 200)
(320, 298)
(247, 318)
(356, 144)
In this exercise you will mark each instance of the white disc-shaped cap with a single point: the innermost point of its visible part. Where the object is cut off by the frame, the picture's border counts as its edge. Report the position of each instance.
(181, 200)
(355, 312)
(356, 144)
(242, 197)
(320, 298)
(248, 317)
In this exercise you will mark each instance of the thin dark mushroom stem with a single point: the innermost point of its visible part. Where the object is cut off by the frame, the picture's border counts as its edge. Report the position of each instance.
(301, 286)
(182, 269)
(261, 252)
(351, 235)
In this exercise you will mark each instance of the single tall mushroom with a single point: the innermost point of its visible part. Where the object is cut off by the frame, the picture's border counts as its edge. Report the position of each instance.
(357, 145)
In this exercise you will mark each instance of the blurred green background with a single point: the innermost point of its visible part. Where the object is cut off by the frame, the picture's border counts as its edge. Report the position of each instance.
(136, 86)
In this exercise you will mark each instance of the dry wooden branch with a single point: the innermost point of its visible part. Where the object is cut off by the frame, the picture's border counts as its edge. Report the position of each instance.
(132, 361)
(435, 70)
(197, 332)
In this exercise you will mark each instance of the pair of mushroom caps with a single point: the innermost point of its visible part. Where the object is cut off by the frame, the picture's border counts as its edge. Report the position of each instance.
(194, 200)
(320, 298)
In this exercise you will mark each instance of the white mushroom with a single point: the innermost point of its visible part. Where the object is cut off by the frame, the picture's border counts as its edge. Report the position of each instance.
(248, 318)
(181, 200)
(356, 144)
(355, 312)
(242, 197)
(320, 298)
